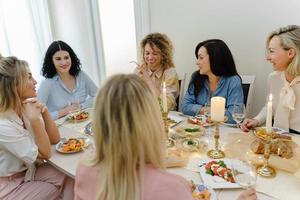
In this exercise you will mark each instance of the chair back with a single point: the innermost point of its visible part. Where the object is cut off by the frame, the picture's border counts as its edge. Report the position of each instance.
(181, 93)
(248, 90)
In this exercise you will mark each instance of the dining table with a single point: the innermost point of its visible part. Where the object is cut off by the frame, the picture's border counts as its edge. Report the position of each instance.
(284, 186)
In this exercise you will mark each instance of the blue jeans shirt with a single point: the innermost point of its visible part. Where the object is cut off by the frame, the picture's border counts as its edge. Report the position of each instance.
(228, 87)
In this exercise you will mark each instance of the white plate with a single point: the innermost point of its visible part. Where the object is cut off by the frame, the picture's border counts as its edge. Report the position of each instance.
(215, 181)
(202, 187)
(59, 145)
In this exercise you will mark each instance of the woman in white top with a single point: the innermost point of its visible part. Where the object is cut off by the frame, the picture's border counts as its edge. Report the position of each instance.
(283, 47)
(26, 133)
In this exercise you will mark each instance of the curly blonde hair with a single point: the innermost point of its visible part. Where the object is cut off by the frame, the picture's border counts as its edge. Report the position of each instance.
(163, 43)
(290, 39)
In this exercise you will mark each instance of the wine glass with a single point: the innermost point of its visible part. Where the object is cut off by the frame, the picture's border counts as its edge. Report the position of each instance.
(238, 113)
(244, 173)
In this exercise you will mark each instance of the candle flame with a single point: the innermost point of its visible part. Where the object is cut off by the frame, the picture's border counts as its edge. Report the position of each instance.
(164, 84)
(270, 97)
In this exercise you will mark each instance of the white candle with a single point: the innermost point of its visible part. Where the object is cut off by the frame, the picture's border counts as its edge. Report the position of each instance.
(164, 99)
(269, 115)
(217, 110)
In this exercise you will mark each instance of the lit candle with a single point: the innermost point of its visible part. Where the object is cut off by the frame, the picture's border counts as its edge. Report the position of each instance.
(269, 115)
(217, 110)
(164, 99)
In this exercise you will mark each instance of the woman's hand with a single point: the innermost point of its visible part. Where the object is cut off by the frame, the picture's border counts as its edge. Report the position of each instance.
(249, 194)
(69, 109)
(33, 108)
(249, 124)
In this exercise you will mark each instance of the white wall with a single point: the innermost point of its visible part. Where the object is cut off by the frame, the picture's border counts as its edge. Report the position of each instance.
(72, 24)
(243, 25)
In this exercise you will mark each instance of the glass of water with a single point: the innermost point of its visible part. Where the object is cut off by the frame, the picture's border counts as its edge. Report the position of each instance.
(244, 173)
(238, 113)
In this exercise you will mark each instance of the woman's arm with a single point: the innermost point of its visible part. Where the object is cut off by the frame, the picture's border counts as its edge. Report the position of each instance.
(189, 104)
(50, 127)
(235, 96)
(91, 89)
(172, 87)
(32, 109)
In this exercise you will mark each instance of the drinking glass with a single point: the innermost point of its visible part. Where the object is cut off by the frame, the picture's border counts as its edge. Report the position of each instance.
(238, 113)
(244, 173)
(206, 111)
(74, 100)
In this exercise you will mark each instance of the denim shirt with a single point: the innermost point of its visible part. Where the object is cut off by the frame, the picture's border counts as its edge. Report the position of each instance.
(228, 87)
(53, 93)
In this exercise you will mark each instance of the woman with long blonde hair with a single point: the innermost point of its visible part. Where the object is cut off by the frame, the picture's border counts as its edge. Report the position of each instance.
(26, 133)
(129, 140)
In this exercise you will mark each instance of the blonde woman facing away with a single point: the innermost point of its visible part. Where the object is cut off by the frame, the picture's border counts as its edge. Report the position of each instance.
(283, 51)
(157, 66)
(129, 141)
(26, 133)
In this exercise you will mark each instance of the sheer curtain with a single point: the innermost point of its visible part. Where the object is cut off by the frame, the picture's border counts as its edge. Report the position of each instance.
(25, 31)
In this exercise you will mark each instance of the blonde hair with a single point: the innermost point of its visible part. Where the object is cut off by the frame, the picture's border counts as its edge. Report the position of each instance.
(290, 39)
(13, 74)
(163, 43)
(128, 135)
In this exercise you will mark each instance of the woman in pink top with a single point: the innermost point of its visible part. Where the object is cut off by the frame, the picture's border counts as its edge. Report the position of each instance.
(129, 140)
(129, 135)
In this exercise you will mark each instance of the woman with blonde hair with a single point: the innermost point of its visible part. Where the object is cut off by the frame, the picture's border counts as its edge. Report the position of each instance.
(129, 140)
(26, 133)
(283, 51)
(157, 66)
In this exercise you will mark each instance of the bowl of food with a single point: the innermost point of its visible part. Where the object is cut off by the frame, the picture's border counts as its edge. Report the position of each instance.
(191, 130)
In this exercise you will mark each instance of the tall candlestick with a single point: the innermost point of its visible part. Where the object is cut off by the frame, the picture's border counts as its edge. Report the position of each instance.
(164, 99)
(269, 115)
(217, 109)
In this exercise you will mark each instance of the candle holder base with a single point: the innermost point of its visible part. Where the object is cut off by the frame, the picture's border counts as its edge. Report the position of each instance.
(266, 171)
(165, 119)
(215, 154)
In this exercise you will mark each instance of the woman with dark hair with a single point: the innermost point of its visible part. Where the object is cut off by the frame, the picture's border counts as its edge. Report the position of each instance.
(217, 76)
(66, 87)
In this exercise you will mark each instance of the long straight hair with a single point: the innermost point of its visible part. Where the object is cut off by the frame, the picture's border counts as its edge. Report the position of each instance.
(128, 135)
(220, 59)
(13, 73)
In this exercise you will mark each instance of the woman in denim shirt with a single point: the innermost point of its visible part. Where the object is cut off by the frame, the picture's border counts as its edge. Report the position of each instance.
(217, 76)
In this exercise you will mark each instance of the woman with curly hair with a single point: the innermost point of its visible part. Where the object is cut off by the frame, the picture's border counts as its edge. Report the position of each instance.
(66, 87)
(157, 66)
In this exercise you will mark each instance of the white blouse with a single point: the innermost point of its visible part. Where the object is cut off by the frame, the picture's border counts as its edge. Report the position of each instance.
(17, 147)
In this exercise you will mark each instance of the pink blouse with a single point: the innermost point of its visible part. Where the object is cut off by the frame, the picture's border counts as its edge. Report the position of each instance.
(158, 184)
